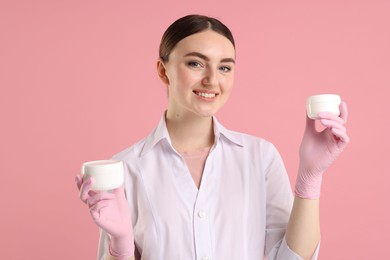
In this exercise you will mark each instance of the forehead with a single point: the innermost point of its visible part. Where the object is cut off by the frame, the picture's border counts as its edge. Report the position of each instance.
(209, 43)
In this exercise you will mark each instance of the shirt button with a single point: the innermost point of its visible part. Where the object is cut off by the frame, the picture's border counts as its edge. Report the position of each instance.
(202, 214)
(205, 258)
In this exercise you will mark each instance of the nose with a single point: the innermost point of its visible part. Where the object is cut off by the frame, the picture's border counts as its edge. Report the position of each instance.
(210, 78)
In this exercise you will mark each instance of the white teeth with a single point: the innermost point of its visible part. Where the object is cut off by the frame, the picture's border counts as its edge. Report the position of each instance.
(207, 95)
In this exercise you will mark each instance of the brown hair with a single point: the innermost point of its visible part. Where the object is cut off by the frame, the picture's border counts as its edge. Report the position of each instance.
(187, 26)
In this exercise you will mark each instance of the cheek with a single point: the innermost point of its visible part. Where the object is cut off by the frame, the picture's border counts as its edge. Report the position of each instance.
(188, 79)
(182, 75)
(227, 84)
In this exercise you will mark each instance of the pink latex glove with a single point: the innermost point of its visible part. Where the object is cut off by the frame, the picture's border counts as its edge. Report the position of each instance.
(111, 212)
(318, 150)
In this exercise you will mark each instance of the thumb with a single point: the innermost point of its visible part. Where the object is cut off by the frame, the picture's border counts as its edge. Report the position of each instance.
(79, 181)
(120, 191)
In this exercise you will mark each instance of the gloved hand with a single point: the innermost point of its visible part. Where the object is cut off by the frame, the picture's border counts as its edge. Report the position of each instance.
(318, 150)
(111, 212)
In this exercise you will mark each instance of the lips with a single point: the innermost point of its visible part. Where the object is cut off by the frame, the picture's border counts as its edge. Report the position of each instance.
(205, 94)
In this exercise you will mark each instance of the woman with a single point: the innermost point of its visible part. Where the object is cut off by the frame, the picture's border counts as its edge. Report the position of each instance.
(195, 190)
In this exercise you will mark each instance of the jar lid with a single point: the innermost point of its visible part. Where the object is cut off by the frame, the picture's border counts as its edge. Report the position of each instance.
(324, 98)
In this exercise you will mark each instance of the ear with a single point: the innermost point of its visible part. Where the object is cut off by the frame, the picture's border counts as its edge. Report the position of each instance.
(161, 72)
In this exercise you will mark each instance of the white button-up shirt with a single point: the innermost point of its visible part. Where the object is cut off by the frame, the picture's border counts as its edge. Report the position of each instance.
(240, 211)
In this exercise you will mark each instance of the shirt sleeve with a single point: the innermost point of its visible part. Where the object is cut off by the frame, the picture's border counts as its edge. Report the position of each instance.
(282, 251)
(279, 201)
(104, 241)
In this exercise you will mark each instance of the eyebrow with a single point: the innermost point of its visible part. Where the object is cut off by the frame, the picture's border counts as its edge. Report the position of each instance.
(204, 57)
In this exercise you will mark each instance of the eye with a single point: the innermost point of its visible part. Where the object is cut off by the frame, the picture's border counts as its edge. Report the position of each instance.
(194, 64)
(225, 68)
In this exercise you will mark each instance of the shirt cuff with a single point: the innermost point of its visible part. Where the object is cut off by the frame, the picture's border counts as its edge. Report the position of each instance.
(104, 242)
(282, 251)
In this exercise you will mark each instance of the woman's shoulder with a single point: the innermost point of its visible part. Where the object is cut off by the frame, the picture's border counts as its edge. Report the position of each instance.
(253, 148)
(250, 140)
(131, 152)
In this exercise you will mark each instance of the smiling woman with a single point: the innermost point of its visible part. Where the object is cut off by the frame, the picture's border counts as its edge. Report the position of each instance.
(199, 75)
(195, 190)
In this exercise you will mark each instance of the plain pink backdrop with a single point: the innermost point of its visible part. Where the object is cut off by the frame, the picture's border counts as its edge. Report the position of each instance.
(78, 83)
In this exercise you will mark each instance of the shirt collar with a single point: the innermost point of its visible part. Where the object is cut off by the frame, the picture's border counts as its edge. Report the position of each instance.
(161, 133)
(229, 135)
(158, 134)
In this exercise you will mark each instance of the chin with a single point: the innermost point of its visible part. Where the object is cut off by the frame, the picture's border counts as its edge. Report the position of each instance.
(208, 113)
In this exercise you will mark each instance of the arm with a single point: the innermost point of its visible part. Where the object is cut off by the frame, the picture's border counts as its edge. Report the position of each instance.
(317, 152)
(303, 229)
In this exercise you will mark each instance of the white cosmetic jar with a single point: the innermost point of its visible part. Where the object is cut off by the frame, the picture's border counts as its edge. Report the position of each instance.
(322, 103)
(107, 174)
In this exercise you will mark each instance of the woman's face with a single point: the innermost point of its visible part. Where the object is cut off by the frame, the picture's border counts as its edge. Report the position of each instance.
(199, 74)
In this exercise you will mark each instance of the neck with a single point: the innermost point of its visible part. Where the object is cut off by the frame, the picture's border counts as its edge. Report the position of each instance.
(189, 133)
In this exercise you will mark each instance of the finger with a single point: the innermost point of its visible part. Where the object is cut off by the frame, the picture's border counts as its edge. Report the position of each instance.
(120, 191)
(97, 210)
(344, 111)
(99, 197)
(120, 195)
(344, 138)
(85, 189)
(331, 116)
(332, 124)
(79, 180)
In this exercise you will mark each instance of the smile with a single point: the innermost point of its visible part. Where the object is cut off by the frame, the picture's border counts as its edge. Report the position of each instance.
(205, 95)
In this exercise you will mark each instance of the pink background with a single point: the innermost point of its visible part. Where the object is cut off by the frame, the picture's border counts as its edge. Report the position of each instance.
(78, 83)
